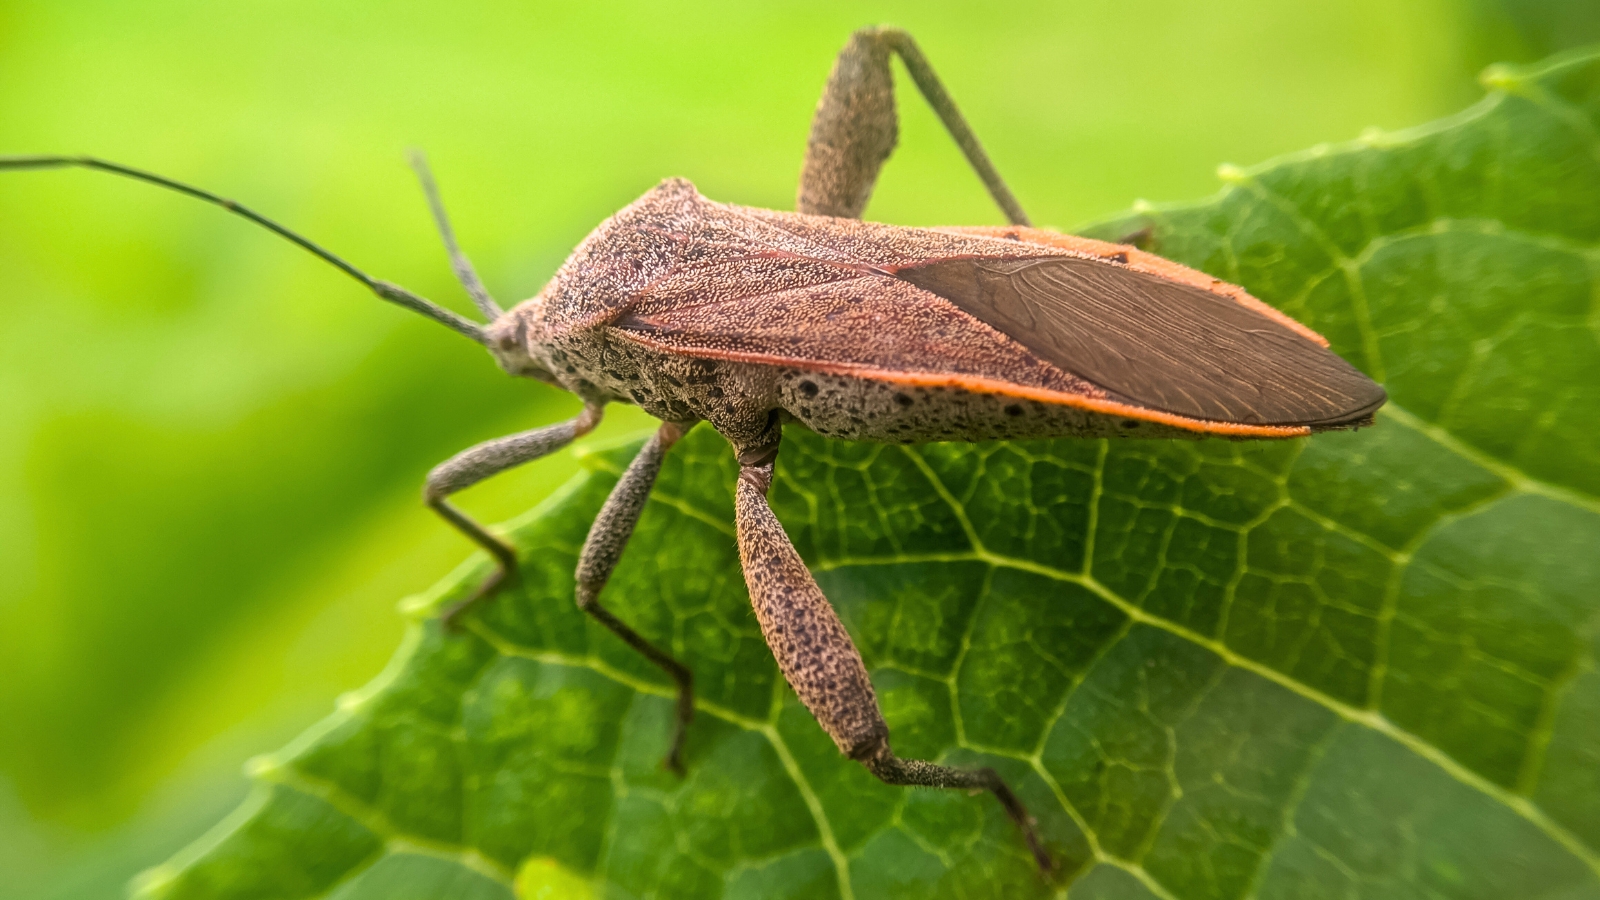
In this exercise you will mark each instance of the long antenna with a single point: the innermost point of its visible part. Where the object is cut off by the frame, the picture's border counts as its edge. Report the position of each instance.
(465, 273)
(384, 289)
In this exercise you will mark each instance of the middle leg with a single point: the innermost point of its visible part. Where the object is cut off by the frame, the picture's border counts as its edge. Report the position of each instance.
(855, 128)
(603, 548)
(821, 662)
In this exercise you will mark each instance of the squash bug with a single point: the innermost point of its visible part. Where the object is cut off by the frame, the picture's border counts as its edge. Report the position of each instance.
(748, 319)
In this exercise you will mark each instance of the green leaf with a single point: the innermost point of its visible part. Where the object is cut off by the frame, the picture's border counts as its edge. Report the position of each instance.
(1362, 665)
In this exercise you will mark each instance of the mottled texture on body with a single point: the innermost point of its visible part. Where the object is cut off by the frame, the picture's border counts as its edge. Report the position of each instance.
(843, 405)
(813, 650)
(694, 309)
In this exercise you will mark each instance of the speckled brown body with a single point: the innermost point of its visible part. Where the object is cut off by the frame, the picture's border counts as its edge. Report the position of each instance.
(746, 318)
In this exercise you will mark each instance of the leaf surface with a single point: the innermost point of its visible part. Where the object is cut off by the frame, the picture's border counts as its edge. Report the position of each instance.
(1362, 665)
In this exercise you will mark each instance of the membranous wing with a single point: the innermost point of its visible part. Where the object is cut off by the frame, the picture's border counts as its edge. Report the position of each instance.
(1160, 344)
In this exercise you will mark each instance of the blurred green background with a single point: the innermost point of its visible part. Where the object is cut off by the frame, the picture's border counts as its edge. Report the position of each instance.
(211, 444)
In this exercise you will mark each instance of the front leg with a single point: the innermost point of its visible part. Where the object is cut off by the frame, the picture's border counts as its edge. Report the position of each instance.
(821, 662)
(855, 128)
(471, 466)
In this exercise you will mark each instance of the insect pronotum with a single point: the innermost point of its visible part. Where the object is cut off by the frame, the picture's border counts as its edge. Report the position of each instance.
(748, 319)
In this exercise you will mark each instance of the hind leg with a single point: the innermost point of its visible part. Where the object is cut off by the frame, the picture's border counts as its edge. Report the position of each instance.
(821, 662)
(855, 128)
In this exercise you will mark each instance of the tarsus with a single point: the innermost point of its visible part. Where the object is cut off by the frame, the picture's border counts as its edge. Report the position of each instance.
(384, 289)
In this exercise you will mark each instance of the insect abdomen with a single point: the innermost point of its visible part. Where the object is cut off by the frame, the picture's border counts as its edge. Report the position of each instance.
(867, 409)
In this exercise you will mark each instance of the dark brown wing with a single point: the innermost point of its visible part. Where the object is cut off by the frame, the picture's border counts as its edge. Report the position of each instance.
(1169, 346)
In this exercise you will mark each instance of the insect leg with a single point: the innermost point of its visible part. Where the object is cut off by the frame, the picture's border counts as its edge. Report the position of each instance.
(821, 662)
(608, 536)
(891, 769)
(465, 273)
(855, 128)
(473, 465)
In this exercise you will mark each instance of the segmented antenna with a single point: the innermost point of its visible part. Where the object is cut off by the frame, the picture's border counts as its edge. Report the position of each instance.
(465, 273)
(384, 289)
